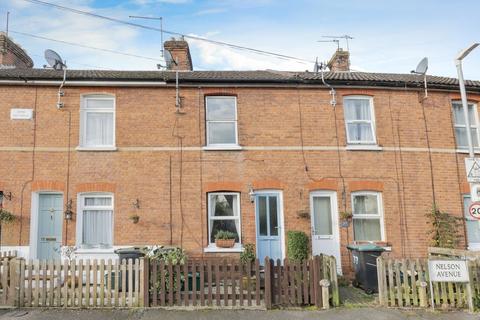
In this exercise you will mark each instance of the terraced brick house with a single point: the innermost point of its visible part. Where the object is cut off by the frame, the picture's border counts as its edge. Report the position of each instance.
(126, 161)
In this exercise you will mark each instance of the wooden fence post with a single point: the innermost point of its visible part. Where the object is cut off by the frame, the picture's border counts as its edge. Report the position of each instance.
(380, 275)
(268, 283)
(317, 272)
(334, 282)
(145, 285)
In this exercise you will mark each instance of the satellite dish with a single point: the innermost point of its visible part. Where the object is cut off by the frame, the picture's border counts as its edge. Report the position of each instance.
(54, 60)
(169, 61)
(422, 67)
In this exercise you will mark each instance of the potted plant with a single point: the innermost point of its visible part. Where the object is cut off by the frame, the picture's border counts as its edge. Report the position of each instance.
(6, 216)
(225, 239)
(135, 218)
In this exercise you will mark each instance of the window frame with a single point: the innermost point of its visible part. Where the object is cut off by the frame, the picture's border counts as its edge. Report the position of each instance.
(81, 207)
(208, 145)
(371, 121)
(470, 245)
(211, 218)
(476, 125)
(83, 120)
(379, 216)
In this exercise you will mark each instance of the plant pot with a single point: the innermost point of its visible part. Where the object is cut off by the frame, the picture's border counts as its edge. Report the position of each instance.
(135, 219)
(225, 243)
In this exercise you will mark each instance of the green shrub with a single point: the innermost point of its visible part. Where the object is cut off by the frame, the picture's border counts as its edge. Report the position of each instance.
(297, 244)
(225, 235)
(6, 216)
(170, 255)
(248, 254)
(444, 228)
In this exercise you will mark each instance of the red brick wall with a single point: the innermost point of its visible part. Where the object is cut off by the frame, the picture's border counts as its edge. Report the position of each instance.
(267, 117)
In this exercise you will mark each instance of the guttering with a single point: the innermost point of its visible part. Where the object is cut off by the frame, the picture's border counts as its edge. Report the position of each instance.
(85, 83)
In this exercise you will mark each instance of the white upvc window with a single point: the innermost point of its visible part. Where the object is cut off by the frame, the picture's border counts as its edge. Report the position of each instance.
(359, 120)
(367, 212)
(97, 122)
(95, 220)
(224, 215)
(460, 126)
(221, 121)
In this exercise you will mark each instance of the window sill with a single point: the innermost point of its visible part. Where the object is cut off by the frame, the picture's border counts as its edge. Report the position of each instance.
(476, 151)
(363, 147)
(222, 148)
(214, 249)
(96, 148)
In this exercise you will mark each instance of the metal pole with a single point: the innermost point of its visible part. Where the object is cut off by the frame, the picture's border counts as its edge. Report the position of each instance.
(161, 34)
(463, 94)
(458, 63)
(8, 16)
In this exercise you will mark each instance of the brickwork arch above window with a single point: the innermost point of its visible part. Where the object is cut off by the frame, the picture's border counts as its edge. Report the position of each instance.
(48, 185)
(267, 184)
(324, 184)
(95, 187)
(223, 186)
(365, 185)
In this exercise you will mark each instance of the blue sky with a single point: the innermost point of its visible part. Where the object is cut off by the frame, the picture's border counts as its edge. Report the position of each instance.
(390, 36)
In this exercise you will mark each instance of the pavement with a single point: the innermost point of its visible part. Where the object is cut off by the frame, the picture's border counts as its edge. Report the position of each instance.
(343, 313)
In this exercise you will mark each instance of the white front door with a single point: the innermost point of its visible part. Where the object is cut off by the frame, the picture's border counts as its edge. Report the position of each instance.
(324, 219)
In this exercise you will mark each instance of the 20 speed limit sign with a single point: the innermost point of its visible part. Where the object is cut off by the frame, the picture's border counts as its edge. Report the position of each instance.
(474, 210)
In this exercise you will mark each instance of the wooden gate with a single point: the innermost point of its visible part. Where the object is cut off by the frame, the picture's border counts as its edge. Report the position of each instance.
(228, 282)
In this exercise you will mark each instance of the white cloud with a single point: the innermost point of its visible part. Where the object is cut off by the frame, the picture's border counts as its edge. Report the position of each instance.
(209, 11)
(71, 27)
(145, 2)
(218, 57)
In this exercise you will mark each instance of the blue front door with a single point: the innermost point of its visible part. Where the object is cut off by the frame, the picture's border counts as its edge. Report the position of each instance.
(50, 220)
(269, 235)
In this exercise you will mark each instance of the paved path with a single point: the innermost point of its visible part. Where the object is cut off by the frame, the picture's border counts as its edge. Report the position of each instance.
(154, 314)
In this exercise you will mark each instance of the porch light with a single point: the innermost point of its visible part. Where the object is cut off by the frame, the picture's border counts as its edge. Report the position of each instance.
(68, 210)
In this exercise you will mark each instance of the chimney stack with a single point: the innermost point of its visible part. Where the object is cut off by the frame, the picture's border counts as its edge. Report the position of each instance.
(180, 53)
(340, 61)
(12, 55)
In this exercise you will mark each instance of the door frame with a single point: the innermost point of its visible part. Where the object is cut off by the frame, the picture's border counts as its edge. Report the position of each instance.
(33, 254)
(279, 193)
(335, 219)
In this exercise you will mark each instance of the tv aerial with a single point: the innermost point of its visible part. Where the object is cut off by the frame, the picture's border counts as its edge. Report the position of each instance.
(421, 70)
(56, 63)
(333, 40)
(345, 36)
(54, 60)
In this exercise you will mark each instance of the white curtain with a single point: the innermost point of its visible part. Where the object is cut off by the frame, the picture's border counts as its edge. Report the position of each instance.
(367, 229)
(97, 228)
(359, 119)
(99, 129)
(460, 129)
(322, 215)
